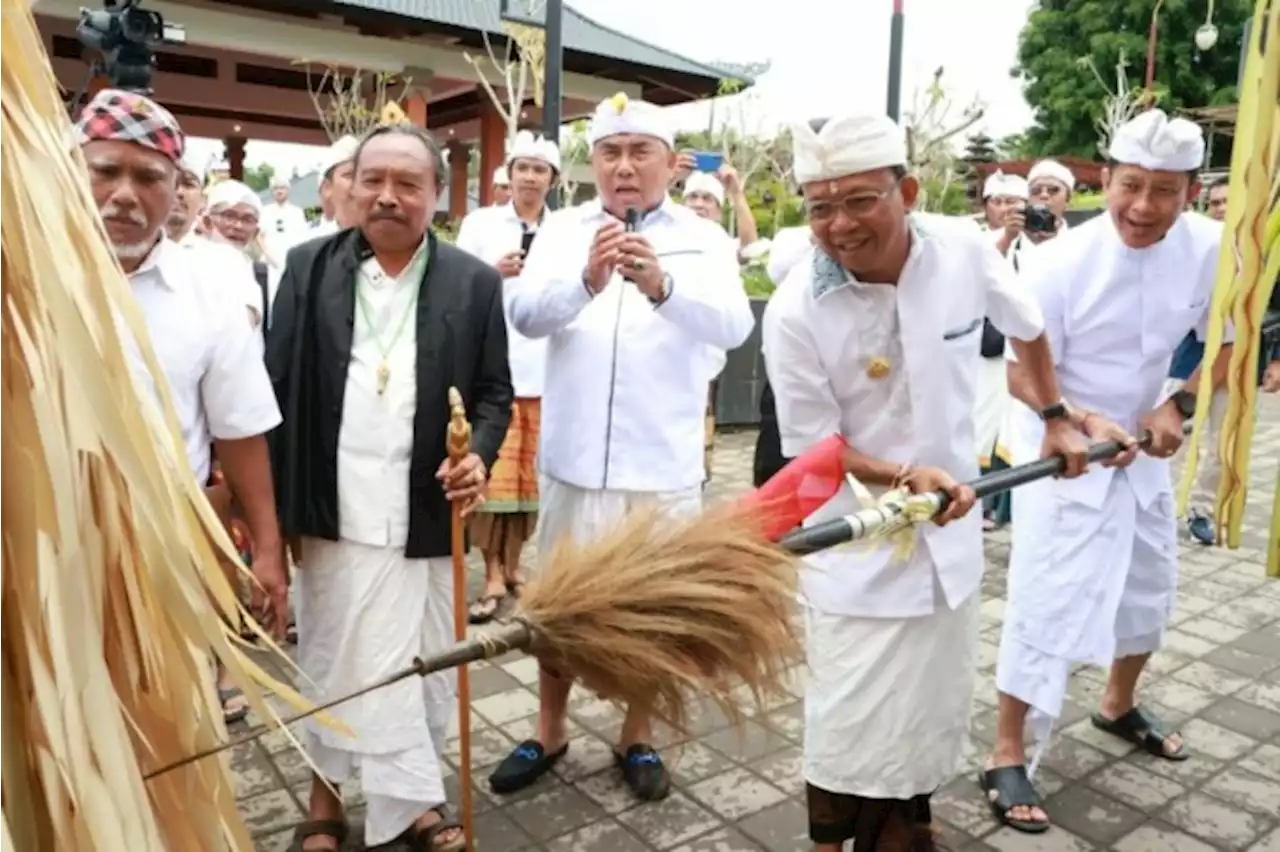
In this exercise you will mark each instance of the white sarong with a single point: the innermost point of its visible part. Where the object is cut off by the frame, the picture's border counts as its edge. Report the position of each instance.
(363, 613)
(887, 701)
(582, 515)
(1086, 585)
(991, 405)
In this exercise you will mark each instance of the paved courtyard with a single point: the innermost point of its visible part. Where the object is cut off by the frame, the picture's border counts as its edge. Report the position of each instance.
(1218, 678)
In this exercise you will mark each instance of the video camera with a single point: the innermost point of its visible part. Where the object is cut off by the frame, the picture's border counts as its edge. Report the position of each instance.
(125, 35)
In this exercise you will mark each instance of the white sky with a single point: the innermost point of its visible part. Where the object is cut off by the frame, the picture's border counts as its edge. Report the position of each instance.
(825, 54)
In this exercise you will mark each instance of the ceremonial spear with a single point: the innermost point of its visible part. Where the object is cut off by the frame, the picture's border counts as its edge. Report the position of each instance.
(659, 612)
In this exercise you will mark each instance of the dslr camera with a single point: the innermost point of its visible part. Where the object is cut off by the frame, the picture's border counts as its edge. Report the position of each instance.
(1040, 220)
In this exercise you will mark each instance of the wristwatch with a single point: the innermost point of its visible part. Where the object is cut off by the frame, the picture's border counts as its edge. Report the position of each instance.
(1060, 410)
(1185, 402)
(664, 292)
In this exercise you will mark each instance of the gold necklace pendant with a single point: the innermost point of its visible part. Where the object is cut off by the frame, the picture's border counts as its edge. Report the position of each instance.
(384, 376)
(878, 367)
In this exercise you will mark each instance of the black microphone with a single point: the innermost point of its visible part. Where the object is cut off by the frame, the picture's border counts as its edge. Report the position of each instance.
(632, 220)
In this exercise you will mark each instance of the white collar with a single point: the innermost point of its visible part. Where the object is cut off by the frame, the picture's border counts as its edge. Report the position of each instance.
(164, 261)
(594, 209)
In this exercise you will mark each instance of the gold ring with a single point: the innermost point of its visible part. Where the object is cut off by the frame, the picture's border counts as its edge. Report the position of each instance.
(639, 264)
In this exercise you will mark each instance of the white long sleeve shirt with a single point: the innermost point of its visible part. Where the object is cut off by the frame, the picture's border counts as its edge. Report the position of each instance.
(626, 386)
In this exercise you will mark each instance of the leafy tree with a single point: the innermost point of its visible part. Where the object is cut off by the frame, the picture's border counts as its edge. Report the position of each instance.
(1063, 38)
(259, 177)
(980, 148)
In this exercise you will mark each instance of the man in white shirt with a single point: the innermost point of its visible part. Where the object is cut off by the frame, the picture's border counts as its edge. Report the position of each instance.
(188, 202)
(705, 194)
(232, 216)
(280, 218)
(1093, 571)
(335, 177)
(638, 316)
(501, 236)
(501, 187)
(876, 338)
(210, 357)
(1050, 183)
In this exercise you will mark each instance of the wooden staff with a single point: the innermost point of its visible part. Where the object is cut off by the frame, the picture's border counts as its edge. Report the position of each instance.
(458, 445)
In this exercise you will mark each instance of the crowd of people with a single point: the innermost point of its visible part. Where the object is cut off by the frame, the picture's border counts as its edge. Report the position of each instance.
(584, 343)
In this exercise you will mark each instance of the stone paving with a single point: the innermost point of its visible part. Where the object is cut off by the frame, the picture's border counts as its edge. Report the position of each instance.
(1218, 678)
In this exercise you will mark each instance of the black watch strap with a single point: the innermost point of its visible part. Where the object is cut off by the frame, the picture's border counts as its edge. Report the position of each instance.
(1057, 411)
(1185, 402)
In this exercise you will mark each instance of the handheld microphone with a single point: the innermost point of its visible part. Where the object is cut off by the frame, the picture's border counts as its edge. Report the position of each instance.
(632, 220)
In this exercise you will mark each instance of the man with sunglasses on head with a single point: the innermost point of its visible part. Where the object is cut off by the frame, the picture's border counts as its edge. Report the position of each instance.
(874, 335)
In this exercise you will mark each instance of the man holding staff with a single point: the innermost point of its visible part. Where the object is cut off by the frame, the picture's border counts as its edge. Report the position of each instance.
(1093, 573)
(876, 337)
(639, 298)
(372, 327)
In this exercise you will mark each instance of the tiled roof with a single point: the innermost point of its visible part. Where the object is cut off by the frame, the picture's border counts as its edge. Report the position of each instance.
(581, 34)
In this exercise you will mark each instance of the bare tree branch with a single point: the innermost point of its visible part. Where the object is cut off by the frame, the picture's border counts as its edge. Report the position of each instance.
(351, 103)
(931, 134)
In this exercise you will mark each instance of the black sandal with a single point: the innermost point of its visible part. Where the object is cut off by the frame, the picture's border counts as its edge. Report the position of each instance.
(1008, 787)
(485, 609)
(644, 772)
(335, 828)
(524, 766)
(425, 839)
(1144, 729)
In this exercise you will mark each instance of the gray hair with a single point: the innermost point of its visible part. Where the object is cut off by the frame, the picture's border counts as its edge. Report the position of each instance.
(421, 134)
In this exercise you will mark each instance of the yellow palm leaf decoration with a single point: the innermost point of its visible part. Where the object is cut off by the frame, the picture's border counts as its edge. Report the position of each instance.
(1247, 269)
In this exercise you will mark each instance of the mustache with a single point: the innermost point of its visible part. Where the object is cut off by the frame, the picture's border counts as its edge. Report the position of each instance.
(133, 217)
(378, 214)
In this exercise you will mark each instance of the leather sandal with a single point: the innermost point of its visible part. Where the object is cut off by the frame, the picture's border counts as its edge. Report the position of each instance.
(429, 840)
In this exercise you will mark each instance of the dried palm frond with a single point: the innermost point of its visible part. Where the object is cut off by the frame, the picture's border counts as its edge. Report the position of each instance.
(112, 590)
(660, 610)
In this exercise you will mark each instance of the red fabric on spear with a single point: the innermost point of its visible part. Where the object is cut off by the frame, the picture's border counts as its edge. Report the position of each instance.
(799, 489)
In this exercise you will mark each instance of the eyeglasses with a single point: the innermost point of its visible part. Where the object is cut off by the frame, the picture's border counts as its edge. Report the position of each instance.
(247, 220)
(858, 205)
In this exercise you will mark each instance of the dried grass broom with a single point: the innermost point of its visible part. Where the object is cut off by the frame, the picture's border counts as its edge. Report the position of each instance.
(658, 611)
(110, 580)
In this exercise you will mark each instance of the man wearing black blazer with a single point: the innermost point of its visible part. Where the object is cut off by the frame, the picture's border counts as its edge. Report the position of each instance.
(370, 328)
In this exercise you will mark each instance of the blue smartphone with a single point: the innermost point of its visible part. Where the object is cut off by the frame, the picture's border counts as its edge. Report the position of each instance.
(707, 161)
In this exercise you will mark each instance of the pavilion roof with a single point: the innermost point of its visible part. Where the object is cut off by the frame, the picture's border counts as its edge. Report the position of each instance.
(582, 36)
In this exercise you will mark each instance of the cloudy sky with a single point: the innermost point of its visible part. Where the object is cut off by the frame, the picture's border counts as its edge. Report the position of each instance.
(823, 55)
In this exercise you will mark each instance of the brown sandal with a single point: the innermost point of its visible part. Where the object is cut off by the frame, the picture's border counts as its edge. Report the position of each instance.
(429, 840)
(334, 828)
(485, 609)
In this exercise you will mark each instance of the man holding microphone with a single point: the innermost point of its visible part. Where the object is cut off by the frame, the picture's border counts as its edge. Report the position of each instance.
(638, 298)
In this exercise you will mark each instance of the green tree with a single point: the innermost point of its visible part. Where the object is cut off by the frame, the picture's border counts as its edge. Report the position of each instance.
(1065, 92)
(1015, 146)
(259, 177)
